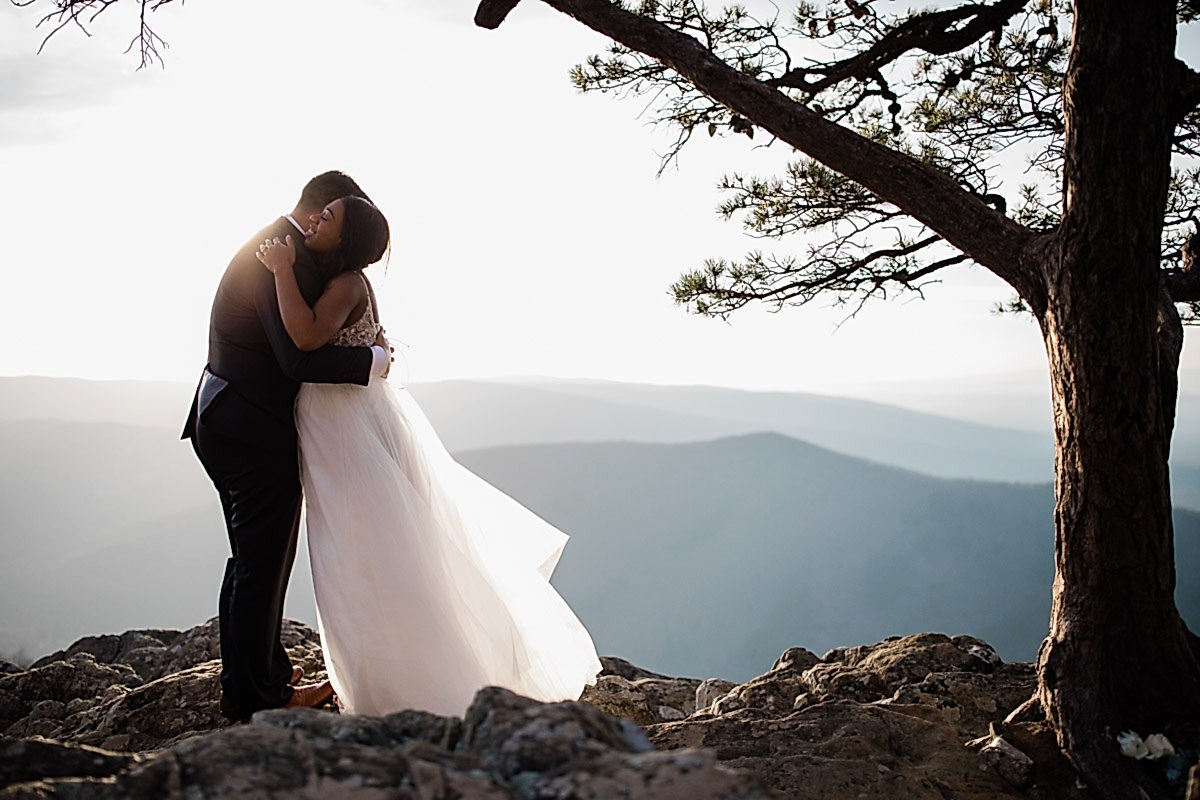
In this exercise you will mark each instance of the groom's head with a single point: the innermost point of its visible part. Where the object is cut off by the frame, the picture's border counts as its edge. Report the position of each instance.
(323, 189)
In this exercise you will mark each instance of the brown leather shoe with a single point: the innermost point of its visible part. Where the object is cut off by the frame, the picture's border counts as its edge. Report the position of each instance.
(228, 710)
(297, 674)
(313, 695)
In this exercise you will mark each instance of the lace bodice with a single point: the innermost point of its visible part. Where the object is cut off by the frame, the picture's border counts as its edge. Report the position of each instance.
(360, 333)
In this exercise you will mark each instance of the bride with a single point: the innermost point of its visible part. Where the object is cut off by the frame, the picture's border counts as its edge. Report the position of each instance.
(430, 583)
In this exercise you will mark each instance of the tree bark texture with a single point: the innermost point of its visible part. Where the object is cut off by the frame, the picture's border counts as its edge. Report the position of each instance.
(1118, 655)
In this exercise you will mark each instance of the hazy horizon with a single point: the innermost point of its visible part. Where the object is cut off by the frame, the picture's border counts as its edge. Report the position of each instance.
(1016, 399)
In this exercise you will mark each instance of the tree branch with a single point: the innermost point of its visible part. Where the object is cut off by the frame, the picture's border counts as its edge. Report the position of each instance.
(491, 13)
(73, 12)
(927, 194)
(933, 33)
(720, 287)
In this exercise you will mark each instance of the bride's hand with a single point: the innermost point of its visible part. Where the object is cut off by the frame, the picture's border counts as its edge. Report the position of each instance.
(381, 340)
(275, 254)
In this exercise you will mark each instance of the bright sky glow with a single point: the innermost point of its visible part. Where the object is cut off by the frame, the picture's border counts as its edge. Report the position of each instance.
(530, 235)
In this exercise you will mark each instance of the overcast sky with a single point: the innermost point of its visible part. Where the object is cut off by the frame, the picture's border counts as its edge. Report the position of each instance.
(530, 234)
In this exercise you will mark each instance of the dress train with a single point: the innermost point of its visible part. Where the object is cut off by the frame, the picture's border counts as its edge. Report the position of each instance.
(430, 583)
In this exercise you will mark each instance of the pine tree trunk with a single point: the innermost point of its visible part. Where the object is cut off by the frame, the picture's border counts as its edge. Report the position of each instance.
(1118, 655)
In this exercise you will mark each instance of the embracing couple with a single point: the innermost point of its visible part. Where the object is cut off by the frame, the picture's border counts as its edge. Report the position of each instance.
(430, 584)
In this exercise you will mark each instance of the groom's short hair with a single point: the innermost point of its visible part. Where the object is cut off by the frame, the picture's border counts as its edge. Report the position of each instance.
(323, 189)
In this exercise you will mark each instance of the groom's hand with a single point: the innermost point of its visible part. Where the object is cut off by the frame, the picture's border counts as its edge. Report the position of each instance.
(275, 254)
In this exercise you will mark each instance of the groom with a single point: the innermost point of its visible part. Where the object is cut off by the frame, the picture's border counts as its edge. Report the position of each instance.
(242, 428)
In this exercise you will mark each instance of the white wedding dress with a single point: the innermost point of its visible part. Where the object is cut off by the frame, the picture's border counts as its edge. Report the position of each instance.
(430, 583)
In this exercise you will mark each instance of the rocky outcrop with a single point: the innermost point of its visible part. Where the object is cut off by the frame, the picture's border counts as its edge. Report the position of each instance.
(32, 701)
(135, 716)
(153, 653)
(644, 697)
(507, 747)
(891, 720)
(142, 650)
(138, 691)
(887, 720)
(645, 701)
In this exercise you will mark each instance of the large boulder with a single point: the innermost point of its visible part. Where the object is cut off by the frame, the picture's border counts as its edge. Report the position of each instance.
(628, 691)
(26, 761)
(843, 749)
(960, 675)
(142, 650)
(202, 643)
(155, 715)
(513, 734)
(971, 701)
(645, 701)
(36, 698)
(872, 672)
(893, 719)
(122, 718)
(138, 691)
(155, 652)
(774, 692)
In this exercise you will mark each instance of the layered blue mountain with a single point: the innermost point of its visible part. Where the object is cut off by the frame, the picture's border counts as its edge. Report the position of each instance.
(705, 539)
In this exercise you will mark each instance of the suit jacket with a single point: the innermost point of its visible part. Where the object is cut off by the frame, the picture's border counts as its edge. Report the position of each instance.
(248, 390)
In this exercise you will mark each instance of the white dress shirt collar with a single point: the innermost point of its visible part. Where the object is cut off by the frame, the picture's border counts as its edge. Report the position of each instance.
(292, 220)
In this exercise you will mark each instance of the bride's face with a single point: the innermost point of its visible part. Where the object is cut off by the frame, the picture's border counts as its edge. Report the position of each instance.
(325, 229)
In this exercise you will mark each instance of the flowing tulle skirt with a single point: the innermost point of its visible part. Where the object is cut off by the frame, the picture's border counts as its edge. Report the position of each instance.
(430, 583)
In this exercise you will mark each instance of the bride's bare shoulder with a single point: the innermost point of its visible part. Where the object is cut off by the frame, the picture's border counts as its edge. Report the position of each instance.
(351, 282)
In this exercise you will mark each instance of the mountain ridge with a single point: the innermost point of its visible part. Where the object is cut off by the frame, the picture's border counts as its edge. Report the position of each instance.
(791, 524)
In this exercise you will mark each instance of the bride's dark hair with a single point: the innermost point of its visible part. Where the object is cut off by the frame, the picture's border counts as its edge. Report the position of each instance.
(365, 237)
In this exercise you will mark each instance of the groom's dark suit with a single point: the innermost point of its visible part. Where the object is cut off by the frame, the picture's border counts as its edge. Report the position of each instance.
(243, 429)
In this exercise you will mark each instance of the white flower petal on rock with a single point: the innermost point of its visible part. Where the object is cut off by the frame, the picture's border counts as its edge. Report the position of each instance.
(1132, 745)
(1159, 746)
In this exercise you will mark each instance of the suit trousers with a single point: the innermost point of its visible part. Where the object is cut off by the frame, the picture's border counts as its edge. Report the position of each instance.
(260, 497)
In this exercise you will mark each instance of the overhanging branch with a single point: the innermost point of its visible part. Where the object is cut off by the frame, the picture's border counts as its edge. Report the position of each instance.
(491, 13)
(935, 33)
(720, 287)
(928, 195)
(82, 13)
